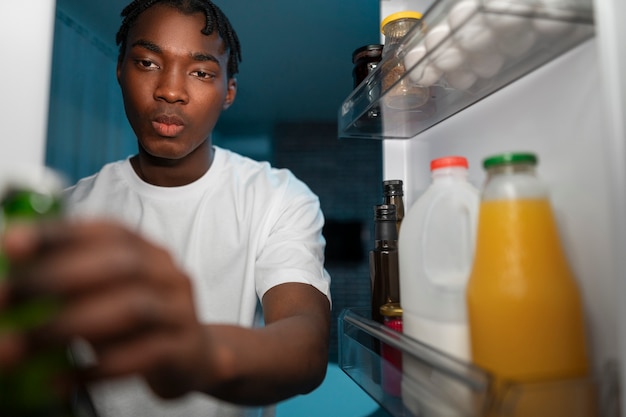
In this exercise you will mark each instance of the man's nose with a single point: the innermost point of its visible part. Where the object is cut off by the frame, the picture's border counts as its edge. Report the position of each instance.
(172, 87)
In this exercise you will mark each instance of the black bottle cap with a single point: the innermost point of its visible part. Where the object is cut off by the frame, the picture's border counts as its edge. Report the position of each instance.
(370, 51)
(392, 187)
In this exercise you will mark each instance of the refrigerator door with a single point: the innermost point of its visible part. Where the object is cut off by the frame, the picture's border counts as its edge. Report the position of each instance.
(571, 113)
(25, 81)
(559, 113)
(568, 109)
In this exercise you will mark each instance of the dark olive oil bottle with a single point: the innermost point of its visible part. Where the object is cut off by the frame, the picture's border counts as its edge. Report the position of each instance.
(384, 260)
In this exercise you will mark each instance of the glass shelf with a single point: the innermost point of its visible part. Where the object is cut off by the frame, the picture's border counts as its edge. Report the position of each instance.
(429, 383)
(464, 51)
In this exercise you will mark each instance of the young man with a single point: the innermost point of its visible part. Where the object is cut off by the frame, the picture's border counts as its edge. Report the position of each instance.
(169, 251)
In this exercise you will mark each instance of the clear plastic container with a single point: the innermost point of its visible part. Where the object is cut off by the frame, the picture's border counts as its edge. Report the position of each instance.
(499, 42)
(402, 93)
(435, 388)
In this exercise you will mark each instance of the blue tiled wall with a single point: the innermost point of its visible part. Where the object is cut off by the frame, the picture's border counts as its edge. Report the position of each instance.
(346, 174)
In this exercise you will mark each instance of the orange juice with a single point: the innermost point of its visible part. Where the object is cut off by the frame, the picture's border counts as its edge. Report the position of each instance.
(525, 311)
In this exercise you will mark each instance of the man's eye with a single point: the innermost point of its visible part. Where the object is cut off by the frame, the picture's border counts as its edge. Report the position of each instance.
(144, 63)
(202, 74)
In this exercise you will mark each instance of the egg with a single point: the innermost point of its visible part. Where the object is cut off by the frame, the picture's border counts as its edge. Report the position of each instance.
(461, 79)
(461, 12)
(516, 45)
(424, 73)
(436, 35)
(475, 36)
(486, 64)
(414, 56)
(448, 57)
(443, 52)
(471, 31)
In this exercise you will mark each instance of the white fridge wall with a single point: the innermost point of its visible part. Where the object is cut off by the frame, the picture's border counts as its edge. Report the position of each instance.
(388, 7)
(558, 112)
(611, 35)
(26, 37)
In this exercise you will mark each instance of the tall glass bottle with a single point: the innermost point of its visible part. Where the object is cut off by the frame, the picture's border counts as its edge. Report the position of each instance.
(29, 390)
(393, 193)
(384, 260)
(524, 307)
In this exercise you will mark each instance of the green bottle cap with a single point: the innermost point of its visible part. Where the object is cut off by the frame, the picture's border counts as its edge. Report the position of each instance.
(509, 159)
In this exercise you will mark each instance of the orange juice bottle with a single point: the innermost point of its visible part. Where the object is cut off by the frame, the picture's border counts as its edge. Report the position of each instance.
(524, 307)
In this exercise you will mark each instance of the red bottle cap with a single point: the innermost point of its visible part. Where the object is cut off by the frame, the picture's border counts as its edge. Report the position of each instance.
(448, 161)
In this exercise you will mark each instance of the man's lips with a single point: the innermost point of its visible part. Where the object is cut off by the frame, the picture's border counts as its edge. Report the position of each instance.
(169, 119)
(168, 125)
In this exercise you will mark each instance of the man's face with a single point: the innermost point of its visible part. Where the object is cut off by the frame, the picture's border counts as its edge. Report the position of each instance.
(174, 81)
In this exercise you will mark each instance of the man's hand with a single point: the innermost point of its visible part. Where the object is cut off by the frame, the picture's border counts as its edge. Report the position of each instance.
(120, 293)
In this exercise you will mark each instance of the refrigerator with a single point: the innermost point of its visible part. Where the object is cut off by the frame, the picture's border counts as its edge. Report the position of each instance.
(25, 81)
(563, 99)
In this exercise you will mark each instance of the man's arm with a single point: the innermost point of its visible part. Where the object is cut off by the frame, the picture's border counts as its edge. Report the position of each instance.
(128, 299)
(286, 357)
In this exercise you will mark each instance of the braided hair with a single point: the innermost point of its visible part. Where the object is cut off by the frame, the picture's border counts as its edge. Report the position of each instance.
(215, 20)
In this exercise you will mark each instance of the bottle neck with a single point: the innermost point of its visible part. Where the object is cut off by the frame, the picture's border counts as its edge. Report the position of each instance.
(512, 169)
(393, 199)
(397, 201)
(448, 174)
(385, 231)
(513, 181)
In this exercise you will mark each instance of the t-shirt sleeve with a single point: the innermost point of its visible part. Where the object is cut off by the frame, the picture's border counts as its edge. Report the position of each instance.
(294, 248)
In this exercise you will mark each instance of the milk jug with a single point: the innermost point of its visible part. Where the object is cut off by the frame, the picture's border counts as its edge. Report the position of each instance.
(436, 248)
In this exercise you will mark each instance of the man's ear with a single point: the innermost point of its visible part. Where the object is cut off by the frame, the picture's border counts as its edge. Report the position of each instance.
(118, 71)
(230, 93)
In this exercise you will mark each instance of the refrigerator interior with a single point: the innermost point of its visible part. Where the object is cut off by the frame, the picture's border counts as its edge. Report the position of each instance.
(570, 112)
(558, 113)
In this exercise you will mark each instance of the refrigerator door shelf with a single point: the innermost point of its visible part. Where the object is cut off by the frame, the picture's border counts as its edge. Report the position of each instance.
(463, 51)
(439, 385)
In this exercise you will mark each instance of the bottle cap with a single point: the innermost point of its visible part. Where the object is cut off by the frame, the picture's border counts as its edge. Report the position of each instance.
(391, 310)
(408, 14)
(392, 187)
(448, 161)
(510, 158)
(371, 51)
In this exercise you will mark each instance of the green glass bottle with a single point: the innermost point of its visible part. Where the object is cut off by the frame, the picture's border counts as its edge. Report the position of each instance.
(30, 390)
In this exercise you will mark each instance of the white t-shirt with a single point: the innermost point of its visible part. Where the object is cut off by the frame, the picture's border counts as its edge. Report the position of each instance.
(239, 230)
